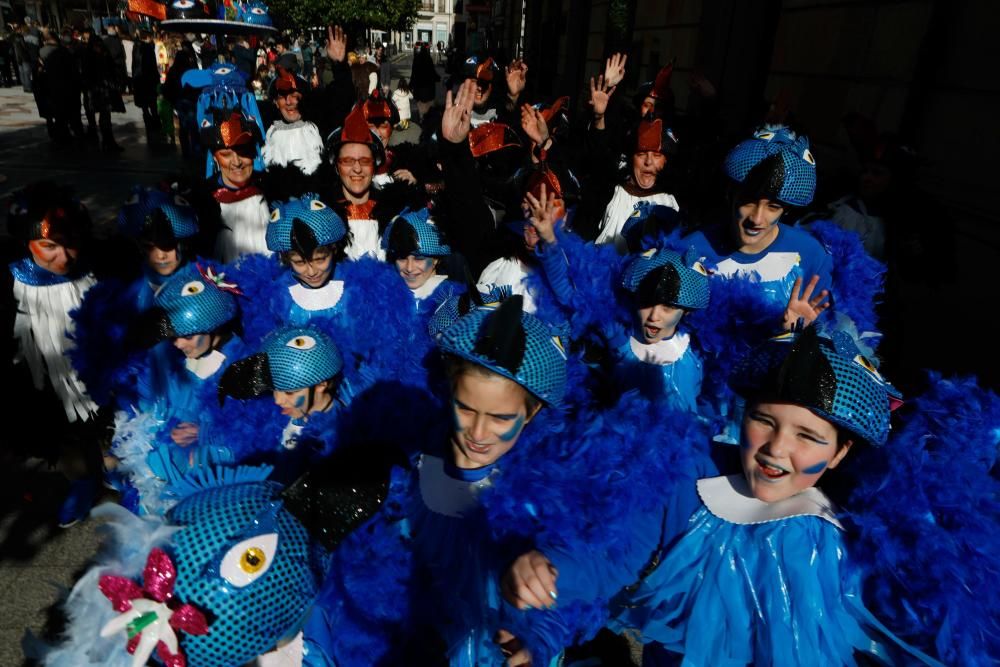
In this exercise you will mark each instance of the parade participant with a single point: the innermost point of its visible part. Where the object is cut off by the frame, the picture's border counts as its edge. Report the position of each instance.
(416, 246)
(812, 401)
(302, 369)
(504, 367)
(291, 140)
(651, 353)
(234, 142)
(356, 152)
(655, 99)
(652, 144)
(771, 172)
(403, 161)
(48, 284)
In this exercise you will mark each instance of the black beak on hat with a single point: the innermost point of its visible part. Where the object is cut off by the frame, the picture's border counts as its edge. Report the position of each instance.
(501, 338)
(303, 240)
(344, 492)
(765, 180)
(402, 239)
(806, 376)
(660, 286)
(158, 231)
(246, 378)
(149, 328)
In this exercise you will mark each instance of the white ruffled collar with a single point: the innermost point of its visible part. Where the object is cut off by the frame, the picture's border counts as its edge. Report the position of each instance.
(729, 498)
(428, 287)
(662, 352)
(320, 298)
(206, 366)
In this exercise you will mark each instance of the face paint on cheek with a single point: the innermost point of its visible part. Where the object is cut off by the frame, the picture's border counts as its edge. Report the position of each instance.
(299, 402)
(514, 430)
(428, 264)
(815, 469)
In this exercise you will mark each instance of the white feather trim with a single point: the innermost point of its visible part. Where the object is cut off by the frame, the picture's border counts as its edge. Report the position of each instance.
(293, 143)
(42, 329)
(244, 229)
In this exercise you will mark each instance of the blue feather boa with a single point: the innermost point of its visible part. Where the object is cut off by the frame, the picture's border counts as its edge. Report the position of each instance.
(924, 524)
(857, 280)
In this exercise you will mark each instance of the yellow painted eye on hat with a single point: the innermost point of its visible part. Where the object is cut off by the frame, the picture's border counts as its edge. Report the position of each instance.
(559, 346)
(275, 214)
(192, 288)
(316, 205)
(224, 70)
(248, 560)
(765, 136)
(700, 268)
(863, 361)
(302, 343)
(258, 11)
(808, 157)
(649, 253)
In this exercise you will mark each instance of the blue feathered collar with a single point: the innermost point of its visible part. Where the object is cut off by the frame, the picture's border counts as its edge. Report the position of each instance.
(26, 271)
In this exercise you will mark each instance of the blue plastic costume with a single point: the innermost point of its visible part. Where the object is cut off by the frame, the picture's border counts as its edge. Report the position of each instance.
(669, 369)
(776, 165)
(452, 552)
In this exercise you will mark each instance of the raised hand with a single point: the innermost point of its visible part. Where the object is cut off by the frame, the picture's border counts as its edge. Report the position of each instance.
(614, 69)
(530, 582)
(516, 76)
(803, 310)
(543, 215)
(600, 93)
(336, 43)
(534, 125)
(457, 117)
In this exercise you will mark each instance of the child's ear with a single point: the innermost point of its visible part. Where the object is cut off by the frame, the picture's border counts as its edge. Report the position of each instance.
(534, 411)
(841, 453)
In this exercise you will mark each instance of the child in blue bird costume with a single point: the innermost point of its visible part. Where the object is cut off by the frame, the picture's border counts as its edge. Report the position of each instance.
(416, 246)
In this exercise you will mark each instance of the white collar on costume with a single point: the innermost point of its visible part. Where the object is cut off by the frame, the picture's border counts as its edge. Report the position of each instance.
(729, 498)
(428, 287)
(321, 298)
(206, 366)
(772, 266)
(660, 353)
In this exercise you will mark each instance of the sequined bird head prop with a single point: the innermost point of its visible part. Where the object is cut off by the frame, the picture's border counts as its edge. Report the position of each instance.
(512, 344)
(303, 224)
(157, 217)
(194, 300)
(829, 374)
(774, 164)
(660, 276)
(254, 12)
(240, 575)
(290, 358)
(414, 233)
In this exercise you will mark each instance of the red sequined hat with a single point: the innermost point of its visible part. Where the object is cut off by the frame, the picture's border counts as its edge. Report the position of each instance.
(355, 131)
(543, 176)
(651, 135)
(228, 132)
(661, 86)
(485, 70)
(377, 106)
(491, 137)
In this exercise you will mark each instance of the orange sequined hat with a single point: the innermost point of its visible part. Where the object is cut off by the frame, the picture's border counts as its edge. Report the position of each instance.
(377, 106)
(286, 83)
(485, 70)
(651, 135)
(543, 176)
(550, 112)
(491, 137)
(236, 129)
(661, 86)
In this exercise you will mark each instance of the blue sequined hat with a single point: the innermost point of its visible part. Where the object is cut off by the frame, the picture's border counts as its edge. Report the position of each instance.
(457, 305)
(253, 12)
(195, 301)
(177, 218)
(290, 358)
(776, 164)
(648, 220)
(513, 344)
(303, 224)
(414, 233)
(662, 276)
(829, 375)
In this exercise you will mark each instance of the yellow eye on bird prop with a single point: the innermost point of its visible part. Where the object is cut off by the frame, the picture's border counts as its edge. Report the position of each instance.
(765, 136)
(192, 288)
(700, 268)
(275, 214)
(808, 157)
(248, 560)
(863, 361)
(302, 343)
(316, 205)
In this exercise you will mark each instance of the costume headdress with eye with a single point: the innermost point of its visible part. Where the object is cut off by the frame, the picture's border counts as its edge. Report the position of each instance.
(158, 217)
(485, 70)
(290, 358)
(513, 344)
(377, 108)
(303, 224)
(355, 131)
(50, 212)
(828, 374)
(253, 12)
(414, 233)
(286, 83)
(195, 300)
(187, 10)
(660, 276)
(491, 137)
(774, 164)
(655, 136)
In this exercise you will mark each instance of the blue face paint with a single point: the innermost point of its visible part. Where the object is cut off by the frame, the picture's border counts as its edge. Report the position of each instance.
(299, 402)
(428, 264)
(815, 469)
(514, 430)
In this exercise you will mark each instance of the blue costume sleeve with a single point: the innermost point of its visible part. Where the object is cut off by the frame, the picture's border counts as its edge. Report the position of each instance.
(556, 267)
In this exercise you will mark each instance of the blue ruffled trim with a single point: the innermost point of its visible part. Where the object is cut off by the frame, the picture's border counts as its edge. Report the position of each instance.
(26, 271)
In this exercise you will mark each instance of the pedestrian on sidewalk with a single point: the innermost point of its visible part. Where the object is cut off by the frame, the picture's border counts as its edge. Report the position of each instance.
(102, 94)
(423, 80)
(145, 81)
(401, 99)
